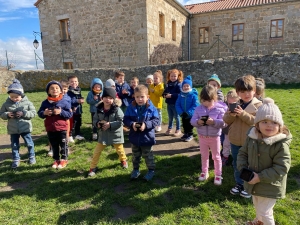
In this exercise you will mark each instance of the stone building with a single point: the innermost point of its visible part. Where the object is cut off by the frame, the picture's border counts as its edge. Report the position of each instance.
(118, 33)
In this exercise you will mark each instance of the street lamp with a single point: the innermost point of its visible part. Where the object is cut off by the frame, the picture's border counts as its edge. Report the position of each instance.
(35, 42)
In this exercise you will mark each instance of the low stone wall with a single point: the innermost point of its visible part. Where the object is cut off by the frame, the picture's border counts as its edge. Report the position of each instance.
(278, 69)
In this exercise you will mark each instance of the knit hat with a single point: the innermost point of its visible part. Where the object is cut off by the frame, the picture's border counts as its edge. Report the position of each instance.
(188, 80)
(150, 76)
(53, 82)
(109, 92)
(268, 111)
(16, 88)
(215, 78)
(109, 83)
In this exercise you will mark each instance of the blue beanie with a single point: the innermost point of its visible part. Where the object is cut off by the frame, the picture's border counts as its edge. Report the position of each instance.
(16, 88)
(53, 82)
(215, 78)
(188, 80)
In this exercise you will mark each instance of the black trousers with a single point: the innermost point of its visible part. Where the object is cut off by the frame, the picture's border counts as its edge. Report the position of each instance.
(58, 140)
(94, 128)
(187, 127)
(77, 121)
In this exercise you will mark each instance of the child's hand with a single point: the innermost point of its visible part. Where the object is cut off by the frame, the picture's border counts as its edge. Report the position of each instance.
(48, 112)
(105, 126)
(80, 100)
(19, 114)
(210, 121)
(200, 122)
(133, 126)
(143, 127)
(238, 110)
(255, 179)
(96, 97)
(151, 90)
(10, 114)
(168, 96)
(56, 111)
(124, 92)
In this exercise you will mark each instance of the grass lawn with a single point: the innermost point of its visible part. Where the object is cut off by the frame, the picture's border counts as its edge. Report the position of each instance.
(38, 194)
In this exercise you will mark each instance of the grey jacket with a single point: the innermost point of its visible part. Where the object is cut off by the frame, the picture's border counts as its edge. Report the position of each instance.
(22, 124)
(270, 158)
(113, 135)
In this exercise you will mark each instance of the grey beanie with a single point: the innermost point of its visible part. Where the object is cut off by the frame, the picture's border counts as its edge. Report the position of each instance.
(109, 83)
(268, 111)
(16, 88)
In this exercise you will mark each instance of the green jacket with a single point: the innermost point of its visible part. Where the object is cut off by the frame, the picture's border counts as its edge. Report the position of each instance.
(22, 124)
(113, 135)
(270, 158)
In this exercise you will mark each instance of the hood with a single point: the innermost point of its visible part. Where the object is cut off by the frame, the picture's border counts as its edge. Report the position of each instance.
(222, 105)
(96, 81)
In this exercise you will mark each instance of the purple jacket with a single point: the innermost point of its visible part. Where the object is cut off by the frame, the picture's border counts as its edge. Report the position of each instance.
(216, 113)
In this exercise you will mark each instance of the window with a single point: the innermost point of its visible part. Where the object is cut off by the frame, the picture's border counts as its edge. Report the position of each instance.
(64, 26)
(238, 32)
(174, 30)
(68, 65)
(162, 25)
(203, 34)
(277, 28)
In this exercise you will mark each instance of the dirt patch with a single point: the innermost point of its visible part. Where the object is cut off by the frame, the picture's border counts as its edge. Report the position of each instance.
(14, 186)
(122, 212)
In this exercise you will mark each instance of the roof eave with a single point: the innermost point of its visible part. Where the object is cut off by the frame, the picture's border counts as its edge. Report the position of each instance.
(37, 3)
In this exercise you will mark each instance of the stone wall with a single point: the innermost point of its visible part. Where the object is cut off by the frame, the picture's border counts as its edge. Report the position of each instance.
(278, 69)
(257, 21)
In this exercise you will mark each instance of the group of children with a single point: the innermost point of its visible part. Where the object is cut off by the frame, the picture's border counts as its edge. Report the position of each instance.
(252, 127)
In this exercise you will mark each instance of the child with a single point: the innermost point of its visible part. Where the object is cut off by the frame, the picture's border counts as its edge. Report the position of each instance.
(110, 84)
(240, 122)
(76, 103)
(19, 111)
(56, 110)
(260, 88)
(208, 119)
(231, 97)
(173, 89)
(215, 81)
(186, 104)
(142, 118)
(134, 82)
(122, 89)
(266, 153)
(155, 92)
(93, 98)
(149, 80)
(108, 119)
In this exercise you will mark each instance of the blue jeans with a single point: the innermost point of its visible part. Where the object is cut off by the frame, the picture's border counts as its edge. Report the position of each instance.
(173, 113)
(159, 116)
(15, 145)
(234, 152)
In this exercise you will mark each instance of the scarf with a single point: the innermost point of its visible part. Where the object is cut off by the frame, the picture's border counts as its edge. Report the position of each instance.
(76, 91)
(52, 99)
(96, 92)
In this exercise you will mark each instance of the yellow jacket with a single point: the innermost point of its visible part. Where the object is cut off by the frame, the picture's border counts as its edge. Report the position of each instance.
(156, 95)
(239, 125)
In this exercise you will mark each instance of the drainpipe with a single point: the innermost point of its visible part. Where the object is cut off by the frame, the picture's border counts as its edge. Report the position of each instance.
(189, 38)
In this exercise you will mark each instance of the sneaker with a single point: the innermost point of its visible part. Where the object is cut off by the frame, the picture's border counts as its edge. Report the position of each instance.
(158, 129)
(135, 174)
(63, 163)
(218, 180)
(32, 161)
(189, 138)
(149, 175)
(224, 161)
(71, 140)
(245, 194)
(95, 136)
(177, 133)
(239, 190)
(15, 164)
(203, 176)
(184, 137)
(92, 172)
(255, 222)
(124, 164)
(79, 137)
(55, 164)
(168, 132)
(50, 152)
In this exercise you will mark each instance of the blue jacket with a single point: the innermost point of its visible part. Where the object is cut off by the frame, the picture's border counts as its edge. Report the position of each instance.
(187, 102)
(90, 97)
(173, 88)
(75, 94)
(149, 116)
(124, 97)
(131, 95)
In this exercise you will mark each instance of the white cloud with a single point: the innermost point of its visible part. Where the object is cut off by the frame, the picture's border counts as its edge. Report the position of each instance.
(11, 5)
(2, 19)
(20, 52)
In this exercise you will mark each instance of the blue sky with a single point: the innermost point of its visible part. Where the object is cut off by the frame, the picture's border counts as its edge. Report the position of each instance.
(18, 20)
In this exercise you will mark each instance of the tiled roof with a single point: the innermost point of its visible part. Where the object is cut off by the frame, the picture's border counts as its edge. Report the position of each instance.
(227, 4)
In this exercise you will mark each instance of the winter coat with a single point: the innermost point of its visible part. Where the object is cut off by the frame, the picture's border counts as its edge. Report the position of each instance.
(156, 96)
(22, 124)
(90, 97)
(55, 123)
(126, 98)
(114, 134)
(149, 117)
(131, 94)
(239, 125)
(75, 94)
(187, 102)
(216, 113)
(268, 157)
(173, 88)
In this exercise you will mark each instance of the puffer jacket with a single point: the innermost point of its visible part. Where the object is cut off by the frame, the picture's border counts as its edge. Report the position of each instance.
(22, 124)
(90, 97)
(156, 96)
(187, 102)
(75, 94)
(268, 157)
(113, 135)
(173, 88)
(239, 125)
(126, 98)
(216, 113)
(149, 117)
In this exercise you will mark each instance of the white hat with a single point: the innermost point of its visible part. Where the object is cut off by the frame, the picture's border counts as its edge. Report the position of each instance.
(268, 111)
(149, 76)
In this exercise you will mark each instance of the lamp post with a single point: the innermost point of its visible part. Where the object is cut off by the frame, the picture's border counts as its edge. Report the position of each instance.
(35, 42)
